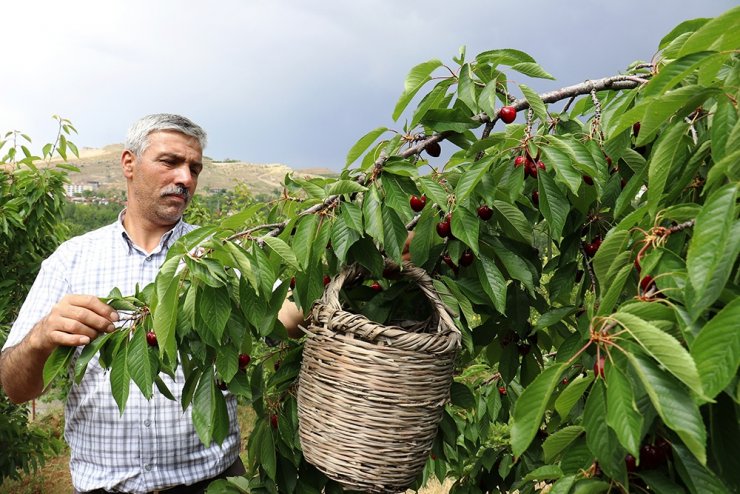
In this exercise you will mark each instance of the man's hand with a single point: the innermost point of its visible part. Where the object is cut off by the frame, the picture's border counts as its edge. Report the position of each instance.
(75, 320)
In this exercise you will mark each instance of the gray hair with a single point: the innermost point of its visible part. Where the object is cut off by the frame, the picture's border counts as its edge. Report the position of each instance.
(137, 138)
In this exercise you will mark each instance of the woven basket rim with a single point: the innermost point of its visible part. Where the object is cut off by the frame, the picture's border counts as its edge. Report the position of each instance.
(328, 313)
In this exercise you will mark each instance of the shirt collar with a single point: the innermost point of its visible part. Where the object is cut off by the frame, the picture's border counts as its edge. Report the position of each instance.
(163, 242)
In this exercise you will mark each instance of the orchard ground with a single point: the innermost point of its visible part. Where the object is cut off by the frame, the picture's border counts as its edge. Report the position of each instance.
(54, 478)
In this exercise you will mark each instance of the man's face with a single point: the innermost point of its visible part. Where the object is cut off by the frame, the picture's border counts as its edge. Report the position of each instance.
(162, 180)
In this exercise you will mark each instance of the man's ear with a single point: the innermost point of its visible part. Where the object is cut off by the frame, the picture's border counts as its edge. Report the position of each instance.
(128, 160)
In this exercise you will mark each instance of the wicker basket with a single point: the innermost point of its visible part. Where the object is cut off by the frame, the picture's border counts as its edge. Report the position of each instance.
(370, 397)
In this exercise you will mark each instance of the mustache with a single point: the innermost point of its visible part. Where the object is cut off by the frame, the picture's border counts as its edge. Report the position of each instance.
(176, 190)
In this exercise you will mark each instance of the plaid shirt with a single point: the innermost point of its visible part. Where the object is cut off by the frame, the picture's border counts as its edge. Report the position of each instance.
(153, 445)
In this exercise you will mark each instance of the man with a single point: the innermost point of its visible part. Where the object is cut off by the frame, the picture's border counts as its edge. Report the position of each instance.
(153, 445)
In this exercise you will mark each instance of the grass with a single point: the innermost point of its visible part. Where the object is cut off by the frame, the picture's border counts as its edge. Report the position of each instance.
(54, 477)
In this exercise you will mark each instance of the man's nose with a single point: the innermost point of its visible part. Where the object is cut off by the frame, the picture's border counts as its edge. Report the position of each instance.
(185, 177)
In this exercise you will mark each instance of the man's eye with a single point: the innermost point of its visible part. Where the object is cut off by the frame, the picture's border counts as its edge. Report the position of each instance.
(195, 171)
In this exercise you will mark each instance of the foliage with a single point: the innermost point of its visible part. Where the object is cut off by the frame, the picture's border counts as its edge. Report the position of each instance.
(594, 279)
(31, 202)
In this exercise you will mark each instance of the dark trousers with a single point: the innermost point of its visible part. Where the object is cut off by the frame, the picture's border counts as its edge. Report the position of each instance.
(236, 469)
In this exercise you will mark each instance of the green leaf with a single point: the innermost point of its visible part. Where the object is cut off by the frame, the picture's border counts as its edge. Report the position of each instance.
(461, 396)
(493, 284)
(670, 153)
(674, 405)
(563, 485)
(165, 320)
(120, 379)
(471, 177)
(362, 145)
(707, 261)
(341, 187)
(552, 316)
(283, 250)
(449, 119)
(570, 395)
(664, 348)
(697, 477)
(417, 77)
(465, 227)
(433, 191)
(342, 238)
(723, 122)
(227, 362)
(204, 406)
(716, 349)
(535, 103)
(557, 158)
(675, 103)
(86, 355)
(554, 204)
(607, 257)
(139, 364)
(529, 409)
(352, 216)
(558, 441)
(719, 33)
(513, 222)
(304, 237)
(675, 71)
(545, 472)
(373, 214)
(600, 438)
(214, 306)
(394, 234)
(532, 69)
(623, 415)
(466, 88)
(57, 363)
(611, 293)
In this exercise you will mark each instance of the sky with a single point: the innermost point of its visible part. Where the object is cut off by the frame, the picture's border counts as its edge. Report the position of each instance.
(295, 82)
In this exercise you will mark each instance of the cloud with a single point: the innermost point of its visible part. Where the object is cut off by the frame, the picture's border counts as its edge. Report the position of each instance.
(295, 81)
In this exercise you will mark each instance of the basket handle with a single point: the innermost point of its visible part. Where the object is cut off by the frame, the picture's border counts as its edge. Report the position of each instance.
(331, 292)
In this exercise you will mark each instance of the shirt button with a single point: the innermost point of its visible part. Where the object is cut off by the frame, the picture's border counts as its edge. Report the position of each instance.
(147, 423)
(147, 467)
(148, 258)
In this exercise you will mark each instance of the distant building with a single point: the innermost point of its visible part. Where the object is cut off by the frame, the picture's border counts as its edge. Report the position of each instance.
(78, 188)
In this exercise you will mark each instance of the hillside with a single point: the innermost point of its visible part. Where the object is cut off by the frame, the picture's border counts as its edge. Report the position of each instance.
(103, 166)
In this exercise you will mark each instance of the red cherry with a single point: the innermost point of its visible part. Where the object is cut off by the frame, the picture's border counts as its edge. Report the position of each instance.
(274, 421)
(448, 260)
(519, 161)
(151, 338)
(485, 212)
(467, 258)
(646, 283)
(444, 229)
(579, 275)
(376, 287)
(222, 385)
(608, 160)
(592, 247)
(541, 165)
(417, 203)
(244, 359)
(433, 149)
(565, 381)
(636, 128)
(651, 457)
(536, 198)
(507, 114)
(599, 367)
(292, 283)
(502, 390)
(588, 180)
(524, 348)
(326, 279)
(530, 169)
(630, 463)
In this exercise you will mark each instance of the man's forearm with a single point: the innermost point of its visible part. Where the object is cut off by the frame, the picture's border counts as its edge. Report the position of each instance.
(21, 371)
